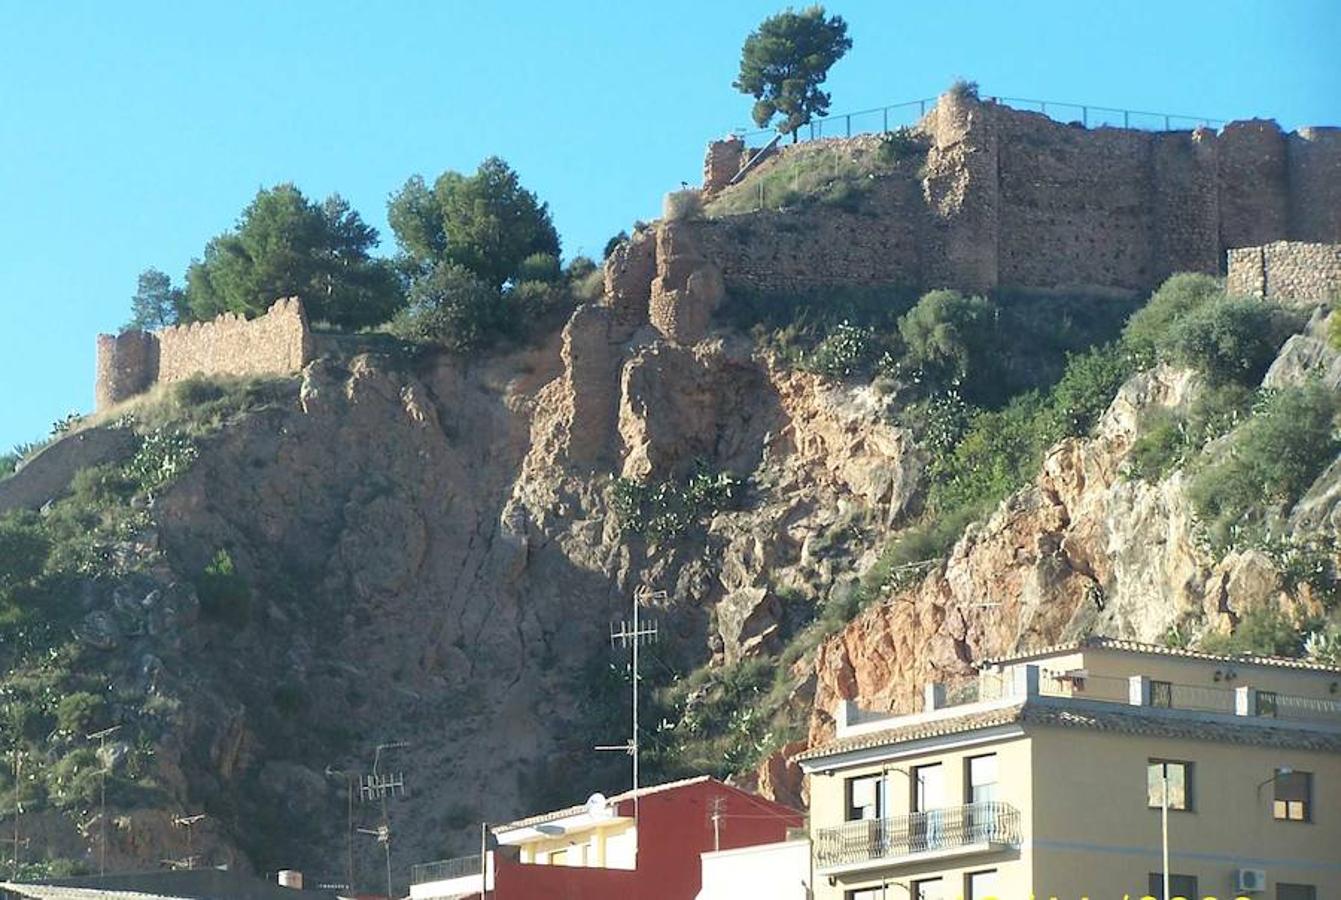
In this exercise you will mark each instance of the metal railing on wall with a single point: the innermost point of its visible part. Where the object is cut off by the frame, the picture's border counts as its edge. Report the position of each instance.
(883, 118)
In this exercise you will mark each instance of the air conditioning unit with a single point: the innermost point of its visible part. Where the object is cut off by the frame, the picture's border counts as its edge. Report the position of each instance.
(1252, 879)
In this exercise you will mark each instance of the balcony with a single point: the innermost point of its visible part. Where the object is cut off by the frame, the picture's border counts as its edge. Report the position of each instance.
(956, 831)
(448, 878)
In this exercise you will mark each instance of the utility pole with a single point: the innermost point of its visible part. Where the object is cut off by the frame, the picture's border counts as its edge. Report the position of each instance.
(349, 830)
(1164, 824)
(635, 636)
(101, 737)
(18, 806)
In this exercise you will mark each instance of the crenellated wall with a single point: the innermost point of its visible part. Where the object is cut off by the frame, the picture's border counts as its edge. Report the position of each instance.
(276, 343)
(1289, 271)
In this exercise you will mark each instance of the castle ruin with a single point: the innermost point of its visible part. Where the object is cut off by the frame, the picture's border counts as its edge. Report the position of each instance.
(276, 343)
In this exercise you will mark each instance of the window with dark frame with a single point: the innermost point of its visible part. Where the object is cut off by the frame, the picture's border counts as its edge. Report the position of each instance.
(980, 885)
(865, 894)
(1161, 694)
(1184, 886)
(928, 889)
(1295, 891)
(1266, 703)
(863, 798)
(1180, 784)
(1294, 797)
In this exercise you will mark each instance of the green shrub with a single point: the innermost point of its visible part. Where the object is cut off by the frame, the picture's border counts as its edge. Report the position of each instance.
(1265, 631)
(76, 713)
(163, 457)
(1177, 297)
(900, 144)
(666, 510)
(75, 779)
(224, 594)
(680, 206)
(538, 267)
(1228, 339)
(1275, 457)
(950, 340)
(1169, 439)
(1087, 386)
(453, 307)
(999, 452)
(24, 549)
(847, 350)
(1334, 324)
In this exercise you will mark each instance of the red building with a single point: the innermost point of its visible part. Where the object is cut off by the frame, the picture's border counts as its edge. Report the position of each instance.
(642, 846)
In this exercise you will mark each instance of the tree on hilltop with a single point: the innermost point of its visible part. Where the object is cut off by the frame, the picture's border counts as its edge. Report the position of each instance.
(785, 60)
(157, 302)
(286, 245)
(486, 222)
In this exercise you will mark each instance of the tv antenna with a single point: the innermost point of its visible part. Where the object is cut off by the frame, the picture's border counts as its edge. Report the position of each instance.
(101, 737)
(716, 812)
(381, 786)
(634, 635)
(189, 822)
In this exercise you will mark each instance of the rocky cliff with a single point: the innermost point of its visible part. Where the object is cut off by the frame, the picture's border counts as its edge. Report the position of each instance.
(428, 550)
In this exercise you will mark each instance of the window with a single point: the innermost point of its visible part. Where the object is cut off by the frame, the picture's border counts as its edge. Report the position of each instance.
(981, 779)
(928, 787)
(1294, 797)
(1161, 694)
(1179, 885)
(1266, 703)
(928, 889)
(980, 885)
(874, 893)
(558, 857)
(863, 798)
(1180, 784)
(1295, 891)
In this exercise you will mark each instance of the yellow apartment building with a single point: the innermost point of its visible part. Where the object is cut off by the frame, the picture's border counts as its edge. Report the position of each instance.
(1054, 781)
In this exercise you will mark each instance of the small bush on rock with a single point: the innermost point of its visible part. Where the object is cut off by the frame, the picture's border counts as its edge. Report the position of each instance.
(683, 205)
(1229, 339)
(1276, 456)
(1176, 297)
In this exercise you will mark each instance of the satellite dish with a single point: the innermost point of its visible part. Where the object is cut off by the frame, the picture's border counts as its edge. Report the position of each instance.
(598, 807)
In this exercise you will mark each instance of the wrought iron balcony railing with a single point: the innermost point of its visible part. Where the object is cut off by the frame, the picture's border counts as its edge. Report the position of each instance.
(870, 840)
(445, 870)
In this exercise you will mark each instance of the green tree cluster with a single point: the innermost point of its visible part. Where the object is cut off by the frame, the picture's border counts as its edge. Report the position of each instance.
(287, 245)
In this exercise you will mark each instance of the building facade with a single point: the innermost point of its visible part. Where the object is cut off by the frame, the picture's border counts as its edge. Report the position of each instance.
(639, 844)
(1053, 782)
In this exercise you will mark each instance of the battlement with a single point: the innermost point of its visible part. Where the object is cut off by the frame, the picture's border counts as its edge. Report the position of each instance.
(276, 343)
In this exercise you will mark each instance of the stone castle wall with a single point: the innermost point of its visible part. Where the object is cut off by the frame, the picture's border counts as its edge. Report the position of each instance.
(1289, 271)
(276, 343)
(1009, 199)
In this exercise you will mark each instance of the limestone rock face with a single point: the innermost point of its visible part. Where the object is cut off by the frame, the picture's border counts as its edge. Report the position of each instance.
(1080, 551)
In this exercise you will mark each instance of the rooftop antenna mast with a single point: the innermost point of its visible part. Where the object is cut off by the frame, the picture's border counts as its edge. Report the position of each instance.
(381, 786)
(16, 840)
(189, 823)
(101, 737)
(626, 635)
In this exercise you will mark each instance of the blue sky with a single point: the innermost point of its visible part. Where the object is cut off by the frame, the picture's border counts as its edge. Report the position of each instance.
(131, 133)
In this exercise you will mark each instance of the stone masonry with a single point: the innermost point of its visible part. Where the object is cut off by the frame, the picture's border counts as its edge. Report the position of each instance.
(1009, 199)
(1289, 271)
(276, 343)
